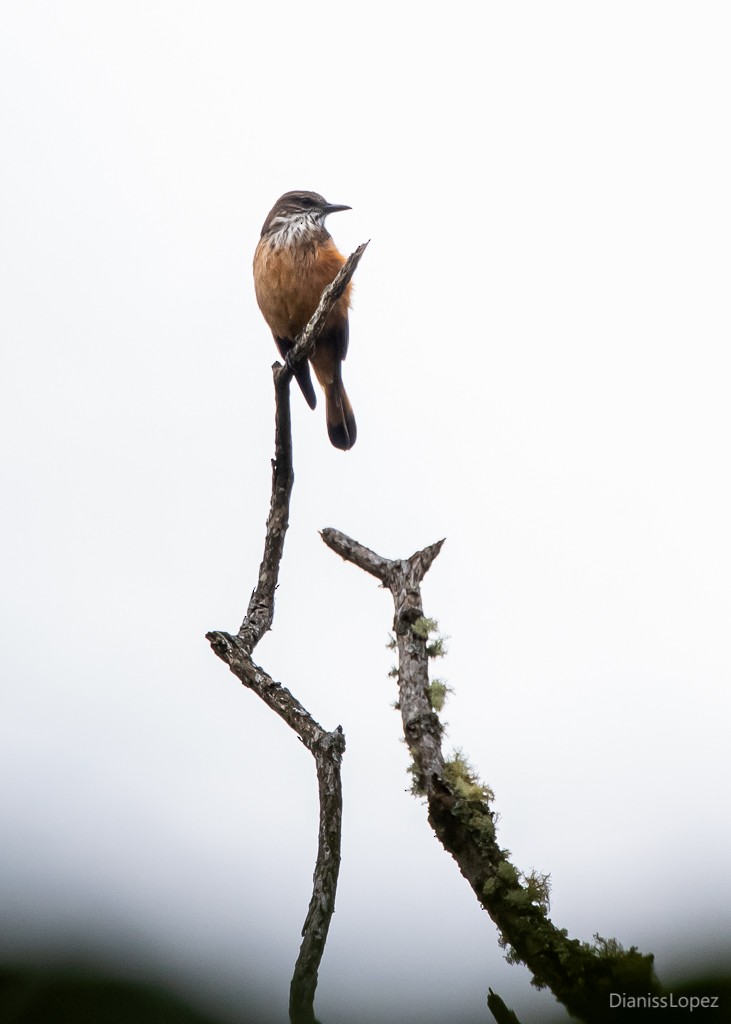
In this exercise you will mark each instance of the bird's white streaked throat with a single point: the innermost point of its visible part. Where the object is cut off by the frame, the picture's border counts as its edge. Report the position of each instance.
(288, 229)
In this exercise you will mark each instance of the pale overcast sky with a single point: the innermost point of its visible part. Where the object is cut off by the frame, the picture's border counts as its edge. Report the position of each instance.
(539, 364)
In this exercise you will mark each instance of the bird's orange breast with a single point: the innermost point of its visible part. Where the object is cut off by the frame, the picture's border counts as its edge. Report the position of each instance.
(289, 281)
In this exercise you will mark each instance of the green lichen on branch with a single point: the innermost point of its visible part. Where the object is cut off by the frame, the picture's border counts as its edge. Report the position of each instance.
(607, 948)
(580, 975)
(464, 780)
(423, 627)
(538, 887)
(437, 648)
(596, 968)
(531, 890)
(437, 691)
(417, 787)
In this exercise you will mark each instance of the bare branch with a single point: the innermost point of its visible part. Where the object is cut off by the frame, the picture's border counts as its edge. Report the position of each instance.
(581, 976)
(260, 613)
(328, 755)
(351, 551)
(327, 748)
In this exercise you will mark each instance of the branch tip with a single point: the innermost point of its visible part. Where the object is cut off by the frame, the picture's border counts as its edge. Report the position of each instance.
(305, 343)
(221, 643)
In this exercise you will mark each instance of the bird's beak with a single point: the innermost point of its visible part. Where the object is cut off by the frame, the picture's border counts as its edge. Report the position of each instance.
(335, 208)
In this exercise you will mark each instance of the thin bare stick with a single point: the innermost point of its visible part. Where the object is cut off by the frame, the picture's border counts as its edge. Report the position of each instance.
(260, 613)
(580, 975)
(327, 748)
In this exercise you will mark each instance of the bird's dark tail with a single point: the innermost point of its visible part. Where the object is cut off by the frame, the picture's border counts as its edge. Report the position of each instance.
(341, 427)
(302, 373)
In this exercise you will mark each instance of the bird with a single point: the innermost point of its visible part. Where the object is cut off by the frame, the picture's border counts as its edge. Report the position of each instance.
(294, 262)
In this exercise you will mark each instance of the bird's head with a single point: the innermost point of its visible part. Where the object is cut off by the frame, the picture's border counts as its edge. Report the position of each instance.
(296, 212)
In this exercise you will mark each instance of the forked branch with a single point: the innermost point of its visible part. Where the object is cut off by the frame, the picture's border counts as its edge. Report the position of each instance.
(236, 650)
(580, 975)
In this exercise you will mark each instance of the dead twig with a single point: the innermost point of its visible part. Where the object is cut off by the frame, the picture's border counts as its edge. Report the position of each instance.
(235, 650)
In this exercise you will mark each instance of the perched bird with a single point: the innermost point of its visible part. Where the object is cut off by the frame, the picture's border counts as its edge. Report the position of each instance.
(294, 262)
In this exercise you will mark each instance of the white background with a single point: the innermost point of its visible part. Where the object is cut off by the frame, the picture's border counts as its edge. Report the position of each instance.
(539, 365)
